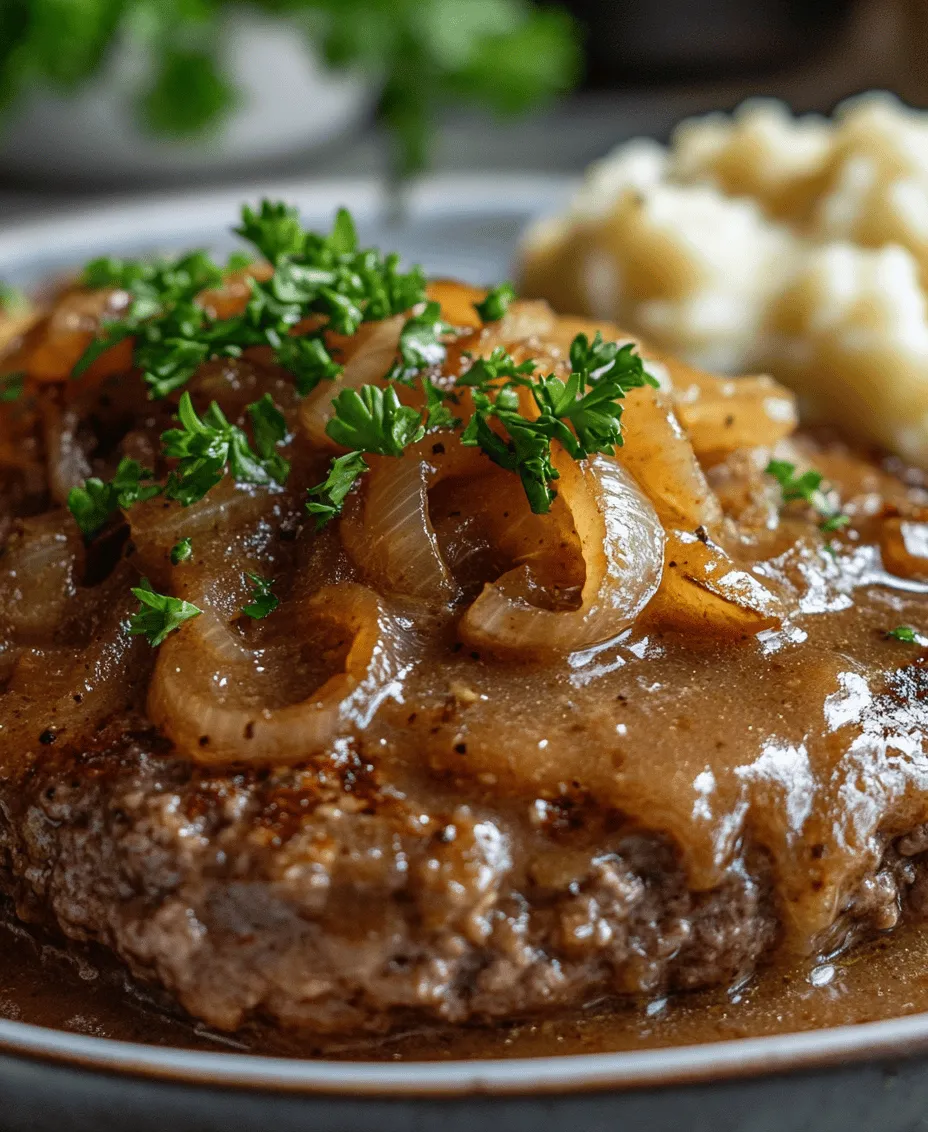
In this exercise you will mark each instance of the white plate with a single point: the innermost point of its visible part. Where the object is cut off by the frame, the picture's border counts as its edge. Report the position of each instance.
(461, 226)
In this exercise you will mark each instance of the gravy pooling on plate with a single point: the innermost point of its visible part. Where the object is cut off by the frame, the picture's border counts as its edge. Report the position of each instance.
(378, 650)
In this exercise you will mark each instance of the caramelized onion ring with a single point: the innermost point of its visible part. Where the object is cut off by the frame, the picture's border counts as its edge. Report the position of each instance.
(622, 543)
(386, 527)
(186, 699)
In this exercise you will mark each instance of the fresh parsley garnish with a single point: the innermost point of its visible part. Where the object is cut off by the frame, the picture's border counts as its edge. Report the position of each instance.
(421, 344)
(904, 633)
(372, 419)
(181, 551)
(11, 387)
(204, 447)
(583, 413)
(329, 276)
(158, 615)
(262, 601)
(495, 305)
(807, 488)
(327, 498)
(95, 501)
(270, 430)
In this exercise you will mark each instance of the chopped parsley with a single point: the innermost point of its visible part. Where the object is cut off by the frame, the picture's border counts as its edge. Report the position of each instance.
(96, 501)
(205, 447)
(421, 344)
(495, 305)
(262, 601)
(329, 276)
(181, 551)
(11, 387)
(583, 414)
(158, 615)
(807, 488)
(904, 633)
(327, 498)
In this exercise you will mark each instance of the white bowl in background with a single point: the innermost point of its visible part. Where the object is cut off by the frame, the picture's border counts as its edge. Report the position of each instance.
(291, 103)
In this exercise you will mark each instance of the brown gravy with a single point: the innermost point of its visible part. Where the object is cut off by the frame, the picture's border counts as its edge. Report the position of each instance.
(887, 978)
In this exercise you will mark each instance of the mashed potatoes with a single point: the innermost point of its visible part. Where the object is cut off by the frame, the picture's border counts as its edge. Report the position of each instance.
(763, 241)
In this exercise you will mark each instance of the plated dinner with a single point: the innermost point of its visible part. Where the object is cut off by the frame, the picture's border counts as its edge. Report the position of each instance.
(382, 652)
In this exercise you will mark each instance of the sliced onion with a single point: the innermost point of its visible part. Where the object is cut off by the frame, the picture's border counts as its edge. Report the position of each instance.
(158, 524)
(904, 546)
(198, 695)
(659, 455)
(622, 543)
(41, 565)
(80, 689)
(375, 353)
(703, 589)
(387, 529)
(721, 415)
(66, 461)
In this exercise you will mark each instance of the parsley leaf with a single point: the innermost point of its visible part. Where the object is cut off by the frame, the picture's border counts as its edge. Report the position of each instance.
(485, 372)
(437, 413)
(96, 501)
(270, 430)
(263, 601)
(807, 488)
(904, 633)
(181, 551)
(158, 615)
(496, 303)
(203, 448)
(11, 386)
(372, 419)
(420, 344)
(595, 413)
(308, 360)
(275, 230)
(327, 498)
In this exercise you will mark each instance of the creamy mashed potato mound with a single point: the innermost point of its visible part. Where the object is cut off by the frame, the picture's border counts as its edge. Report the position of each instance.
(760, 240)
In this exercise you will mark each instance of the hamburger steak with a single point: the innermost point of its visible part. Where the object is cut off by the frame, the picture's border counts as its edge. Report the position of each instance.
(532, 705)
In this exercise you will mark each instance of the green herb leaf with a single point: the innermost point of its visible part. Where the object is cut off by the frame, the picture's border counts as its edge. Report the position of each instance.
(421, 344)
(807, 488)
(158, 615)
(263, 601)
(904, 633)
(308, 360)
(274, 229)
(438, 414)
(189, 95)
(93, 504)
(181, 551)
(327, 498)
(270, 430)
(373, 420)
(12, 300)
(495, 305)
(204, 447)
